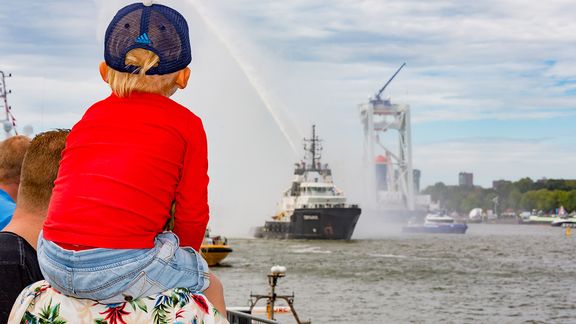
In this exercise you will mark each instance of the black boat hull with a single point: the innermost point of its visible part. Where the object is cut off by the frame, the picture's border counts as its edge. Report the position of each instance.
(314, 223)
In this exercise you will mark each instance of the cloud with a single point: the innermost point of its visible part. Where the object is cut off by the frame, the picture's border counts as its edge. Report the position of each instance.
(459, 54)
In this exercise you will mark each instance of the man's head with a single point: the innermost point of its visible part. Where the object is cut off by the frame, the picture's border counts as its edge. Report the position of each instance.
(146, 49)
(12, 151)
(39, 170)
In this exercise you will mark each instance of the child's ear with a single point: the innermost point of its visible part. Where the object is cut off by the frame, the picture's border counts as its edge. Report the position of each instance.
(104, 71)
(182, 78)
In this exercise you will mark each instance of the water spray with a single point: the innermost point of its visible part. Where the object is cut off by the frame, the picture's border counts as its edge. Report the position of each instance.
(248, 71)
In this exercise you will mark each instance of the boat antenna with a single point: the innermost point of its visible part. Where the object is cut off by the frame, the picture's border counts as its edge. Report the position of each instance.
(312, 146)
(10, 121)
(379, 93)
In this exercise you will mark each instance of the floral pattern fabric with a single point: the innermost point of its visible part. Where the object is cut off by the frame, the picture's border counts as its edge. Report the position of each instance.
(40, 303)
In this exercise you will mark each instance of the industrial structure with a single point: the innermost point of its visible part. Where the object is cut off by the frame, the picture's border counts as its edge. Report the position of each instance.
(9, 123)
(388, 156)
(466, 179)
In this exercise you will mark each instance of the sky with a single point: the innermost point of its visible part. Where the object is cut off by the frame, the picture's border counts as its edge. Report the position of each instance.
(491, 85)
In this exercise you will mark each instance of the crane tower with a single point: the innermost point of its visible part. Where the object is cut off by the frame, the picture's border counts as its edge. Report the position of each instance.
(9, 123)
(388, 152)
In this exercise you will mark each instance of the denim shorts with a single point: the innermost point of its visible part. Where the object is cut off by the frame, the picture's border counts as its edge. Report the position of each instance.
(118, 275)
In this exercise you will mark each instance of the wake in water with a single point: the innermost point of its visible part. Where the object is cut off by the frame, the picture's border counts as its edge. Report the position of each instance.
(309, 249)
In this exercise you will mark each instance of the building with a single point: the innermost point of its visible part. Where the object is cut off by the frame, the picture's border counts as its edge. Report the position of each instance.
(416, 177)
(465, 179)
(500, 184)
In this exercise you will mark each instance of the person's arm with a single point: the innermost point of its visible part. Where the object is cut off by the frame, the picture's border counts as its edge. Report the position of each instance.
(192, 212)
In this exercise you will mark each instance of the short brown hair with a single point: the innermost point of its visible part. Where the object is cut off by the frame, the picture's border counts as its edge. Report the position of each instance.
(39, 170)
(12, 151)
(123, 83)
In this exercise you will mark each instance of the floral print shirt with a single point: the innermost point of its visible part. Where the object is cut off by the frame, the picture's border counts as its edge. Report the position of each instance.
(40, 303)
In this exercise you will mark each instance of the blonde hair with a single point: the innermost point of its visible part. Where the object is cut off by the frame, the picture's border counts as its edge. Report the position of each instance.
(123, 84)
(39, 170)
(12, 151)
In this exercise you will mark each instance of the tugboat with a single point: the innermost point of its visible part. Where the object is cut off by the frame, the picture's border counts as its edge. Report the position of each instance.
(312, 208)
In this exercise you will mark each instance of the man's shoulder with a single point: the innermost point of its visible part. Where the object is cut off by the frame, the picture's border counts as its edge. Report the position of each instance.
(18, 268)
(7, 238)
(15, 249)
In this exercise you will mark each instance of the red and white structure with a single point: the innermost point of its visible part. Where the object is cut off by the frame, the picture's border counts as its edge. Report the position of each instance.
(388, 152)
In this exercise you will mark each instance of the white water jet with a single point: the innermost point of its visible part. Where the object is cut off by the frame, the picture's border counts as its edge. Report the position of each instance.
(249, 72)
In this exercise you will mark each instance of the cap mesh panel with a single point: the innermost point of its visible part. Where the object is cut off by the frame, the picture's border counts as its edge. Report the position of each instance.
(164, 37)
(122, 37)
(166, 29)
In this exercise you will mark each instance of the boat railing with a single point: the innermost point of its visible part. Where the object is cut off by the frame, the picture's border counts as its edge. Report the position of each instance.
(237, 317)
(328, 206)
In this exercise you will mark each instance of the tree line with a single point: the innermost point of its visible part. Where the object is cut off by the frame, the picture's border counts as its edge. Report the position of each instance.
(523, 195)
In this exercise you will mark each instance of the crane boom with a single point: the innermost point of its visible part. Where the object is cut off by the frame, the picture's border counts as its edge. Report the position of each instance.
(387, 83)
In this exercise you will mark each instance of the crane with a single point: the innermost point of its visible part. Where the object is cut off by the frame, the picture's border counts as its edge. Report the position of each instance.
(377, 96)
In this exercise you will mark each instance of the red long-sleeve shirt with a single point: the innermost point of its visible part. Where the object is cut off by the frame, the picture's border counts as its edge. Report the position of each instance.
(124, 164)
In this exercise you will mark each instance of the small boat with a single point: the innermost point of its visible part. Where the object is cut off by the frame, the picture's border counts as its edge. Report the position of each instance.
(564, 222)
(557, 219)
(214, 248)
(540, 219)
(436, 223)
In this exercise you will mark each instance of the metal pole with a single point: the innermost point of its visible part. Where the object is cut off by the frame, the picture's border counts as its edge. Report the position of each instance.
(272, 280)
(377, 97)
(4, 95)
(409, 170)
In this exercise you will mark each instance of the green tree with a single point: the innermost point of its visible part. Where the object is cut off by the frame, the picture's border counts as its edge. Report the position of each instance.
(524, 184)
(571, 203)
(562, 198)
(513, 200)
(529, 200)
(470, 201)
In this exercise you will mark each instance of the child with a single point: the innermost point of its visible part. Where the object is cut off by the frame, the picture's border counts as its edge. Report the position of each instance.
(130, 157)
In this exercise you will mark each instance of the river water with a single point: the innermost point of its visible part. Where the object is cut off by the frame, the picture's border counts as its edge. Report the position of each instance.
(492, 274)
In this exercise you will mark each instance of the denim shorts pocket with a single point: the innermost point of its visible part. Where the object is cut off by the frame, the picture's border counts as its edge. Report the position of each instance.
(140, 286)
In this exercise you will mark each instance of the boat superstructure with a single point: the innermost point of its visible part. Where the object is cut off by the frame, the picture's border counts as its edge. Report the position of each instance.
(313, 207)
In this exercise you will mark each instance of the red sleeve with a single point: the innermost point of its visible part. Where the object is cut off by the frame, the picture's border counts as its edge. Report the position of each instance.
(192, 212)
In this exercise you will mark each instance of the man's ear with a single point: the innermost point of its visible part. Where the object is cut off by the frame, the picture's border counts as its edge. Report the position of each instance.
(104, 71)
(182, 78)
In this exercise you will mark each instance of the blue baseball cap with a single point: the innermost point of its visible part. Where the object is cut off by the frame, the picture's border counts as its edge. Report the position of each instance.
(154, 27)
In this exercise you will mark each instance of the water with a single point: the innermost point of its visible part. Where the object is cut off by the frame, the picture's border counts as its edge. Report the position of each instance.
(492, 274)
